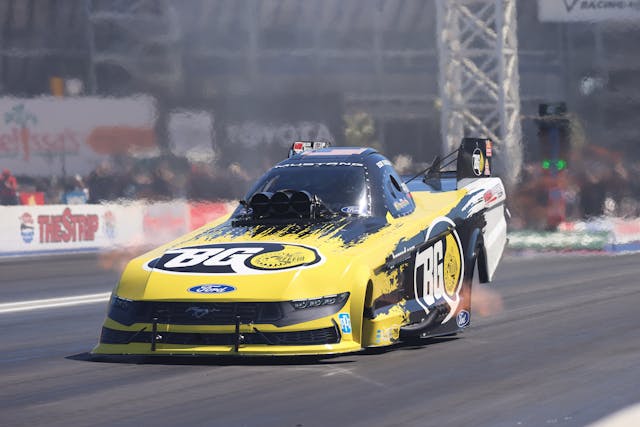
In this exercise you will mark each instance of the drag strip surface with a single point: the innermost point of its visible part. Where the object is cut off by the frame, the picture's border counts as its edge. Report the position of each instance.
(558, 345)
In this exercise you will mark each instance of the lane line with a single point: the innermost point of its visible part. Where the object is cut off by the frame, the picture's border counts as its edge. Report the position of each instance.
(38, 304)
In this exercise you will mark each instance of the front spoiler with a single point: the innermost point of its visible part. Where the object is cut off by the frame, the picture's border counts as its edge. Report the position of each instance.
(143, 349)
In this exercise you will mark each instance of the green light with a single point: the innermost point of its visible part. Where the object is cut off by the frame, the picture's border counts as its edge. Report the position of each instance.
(546, 164)
(561, 164)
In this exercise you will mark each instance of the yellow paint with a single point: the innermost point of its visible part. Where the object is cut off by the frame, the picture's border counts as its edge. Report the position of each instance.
(345, 269)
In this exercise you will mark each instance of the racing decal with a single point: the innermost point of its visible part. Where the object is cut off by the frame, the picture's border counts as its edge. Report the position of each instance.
(353, 210)
(236, 258)
(401, 204)
(493, 195)
(439, 268)
(462, 319)
(288, 257)
(478, 162)
(315, 164)
(211, 289)
(345, 323)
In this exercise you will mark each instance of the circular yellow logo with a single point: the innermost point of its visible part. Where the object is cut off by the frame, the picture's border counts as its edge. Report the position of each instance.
(287, 257)
(452, 264)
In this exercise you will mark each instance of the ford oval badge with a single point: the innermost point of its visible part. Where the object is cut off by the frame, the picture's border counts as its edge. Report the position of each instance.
(211, 289)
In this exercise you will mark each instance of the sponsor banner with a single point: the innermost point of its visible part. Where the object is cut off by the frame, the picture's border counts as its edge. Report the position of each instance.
(44, 136)
(28, 229)
(588, 10)
(50, 228)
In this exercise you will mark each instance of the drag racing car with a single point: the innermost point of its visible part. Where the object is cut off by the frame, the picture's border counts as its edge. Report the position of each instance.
(330, 252)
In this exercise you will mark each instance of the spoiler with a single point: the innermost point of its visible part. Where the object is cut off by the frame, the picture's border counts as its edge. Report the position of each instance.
(475, 157)
(473, 160)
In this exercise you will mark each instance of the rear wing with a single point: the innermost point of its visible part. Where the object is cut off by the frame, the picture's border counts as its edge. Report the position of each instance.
(473, 160)
(475, 157)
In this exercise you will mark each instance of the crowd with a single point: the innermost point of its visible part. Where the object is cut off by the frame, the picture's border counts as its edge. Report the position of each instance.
(595, 183)
(157, 179)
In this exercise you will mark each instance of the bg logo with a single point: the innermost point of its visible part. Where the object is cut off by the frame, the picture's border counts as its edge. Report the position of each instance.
(235, 258)
(439, 268)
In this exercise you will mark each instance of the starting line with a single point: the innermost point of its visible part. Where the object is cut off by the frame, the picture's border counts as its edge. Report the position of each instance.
(13, 307)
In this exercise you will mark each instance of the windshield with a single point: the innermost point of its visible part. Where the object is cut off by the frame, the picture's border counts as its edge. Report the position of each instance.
(340, 188)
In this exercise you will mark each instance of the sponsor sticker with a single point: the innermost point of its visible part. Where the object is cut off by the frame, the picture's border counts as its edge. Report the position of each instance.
(383, 163)
(401, 204)
(462, 319)
(236, 258)
(345, 323)
(211, 289)
(387, 335)
(351, 210)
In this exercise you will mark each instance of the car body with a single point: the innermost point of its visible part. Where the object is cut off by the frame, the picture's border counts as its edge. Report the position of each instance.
(330, 253)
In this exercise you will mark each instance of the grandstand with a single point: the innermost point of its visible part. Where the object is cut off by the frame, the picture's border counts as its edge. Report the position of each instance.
(376, 56)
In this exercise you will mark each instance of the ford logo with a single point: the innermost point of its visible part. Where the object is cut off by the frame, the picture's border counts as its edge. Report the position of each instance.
(211, 289)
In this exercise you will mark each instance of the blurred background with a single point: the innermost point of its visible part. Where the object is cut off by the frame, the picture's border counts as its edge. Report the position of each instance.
(105, 101)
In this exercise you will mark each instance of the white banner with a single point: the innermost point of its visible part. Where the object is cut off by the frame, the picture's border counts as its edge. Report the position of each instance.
(33, 229)
(43, 136)
(588, 10)
(44, 228)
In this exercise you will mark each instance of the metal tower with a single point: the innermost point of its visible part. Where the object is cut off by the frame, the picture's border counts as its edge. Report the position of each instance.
(479, 80)
(141, 38)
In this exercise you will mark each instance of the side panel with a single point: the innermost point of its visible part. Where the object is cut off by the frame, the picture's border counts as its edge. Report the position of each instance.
(487, 198)
(495, 238)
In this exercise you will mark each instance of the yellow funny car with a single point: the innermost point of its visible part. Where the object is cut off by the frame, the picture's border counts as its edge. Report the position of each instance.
(330, 252)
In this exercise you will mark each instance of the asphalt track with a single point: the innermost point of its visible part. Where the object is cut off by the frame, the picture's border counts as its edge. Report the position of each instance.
(564, 351)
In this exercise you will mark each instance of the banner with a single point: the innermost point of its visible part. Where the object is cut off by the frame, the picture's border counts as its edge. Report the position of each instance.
(588, 10)
(50, 228)
(71, 228)
(46, 136)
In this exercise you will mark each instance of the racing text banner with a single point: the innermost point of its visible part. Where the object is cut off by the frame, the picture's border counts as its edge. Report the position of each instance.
(588, 10)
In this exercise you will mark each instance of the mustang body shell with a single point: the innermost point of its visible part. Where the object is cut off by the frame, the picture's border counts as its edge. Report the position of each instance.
(408, 271)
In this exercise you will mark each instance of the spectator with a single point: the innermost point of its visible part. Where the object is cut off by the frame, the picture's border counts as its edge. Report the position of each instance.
(103, 184)
(76, 193)
(8, 189)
